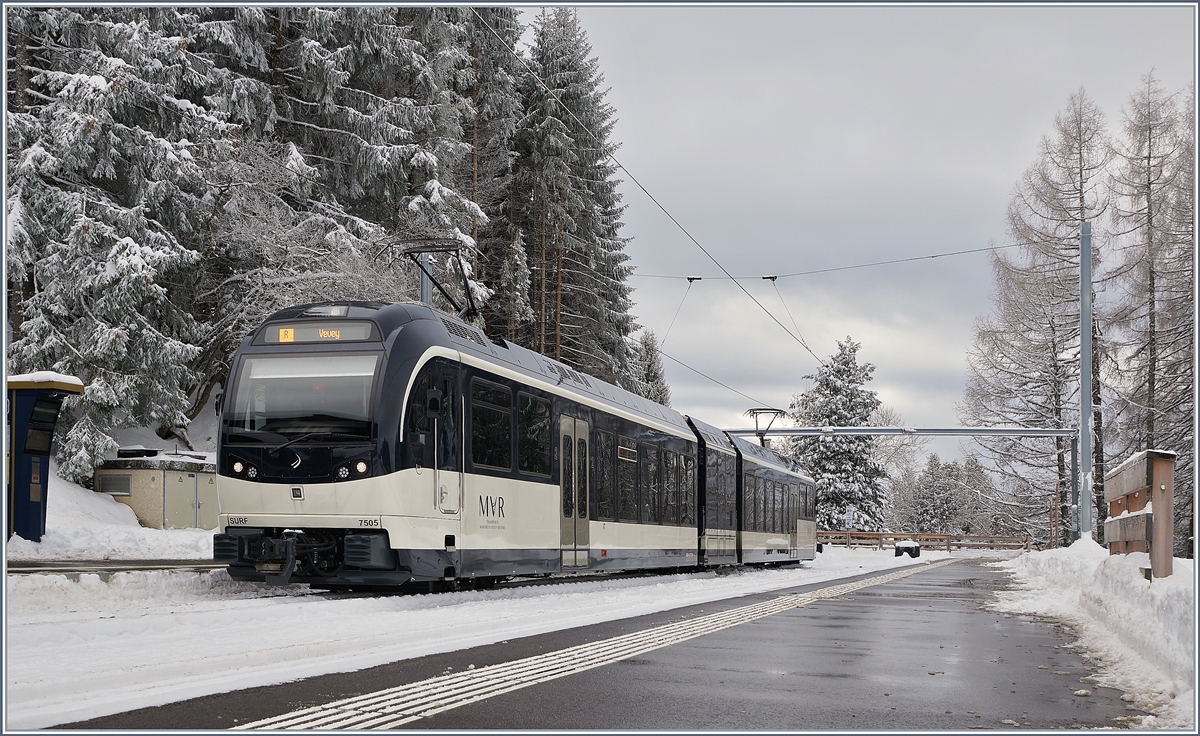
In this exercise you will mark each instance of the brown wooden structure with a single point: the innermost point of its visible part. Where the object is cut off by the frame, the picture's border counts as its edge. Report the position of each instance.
(1140, 495)
(948, 542)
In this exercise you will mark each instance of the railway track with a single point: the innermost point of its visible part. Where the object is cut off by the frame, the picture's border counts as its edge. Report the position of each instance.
(108, 567)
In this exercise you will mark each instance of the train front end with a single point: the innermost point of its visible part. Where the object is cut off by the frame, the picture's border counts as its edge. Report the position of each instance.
(306, 470)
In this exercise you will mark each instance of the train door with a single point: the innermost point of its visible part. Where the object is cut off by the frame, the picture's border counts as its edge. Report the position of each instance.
(573, 486)
(448, 441)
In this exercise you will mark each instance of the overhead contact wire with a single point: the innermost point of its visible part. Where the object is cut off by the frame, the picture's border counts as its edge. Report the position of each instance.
(645, 191)
(843, 268)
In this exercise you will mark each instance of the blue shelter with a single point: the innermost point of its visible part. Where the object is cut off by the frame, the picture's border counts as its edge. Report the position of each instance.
(34, 401)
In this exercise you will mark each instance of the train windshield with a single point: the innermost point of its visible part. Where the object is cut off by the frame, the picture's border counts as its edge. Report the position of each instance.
(303, 395)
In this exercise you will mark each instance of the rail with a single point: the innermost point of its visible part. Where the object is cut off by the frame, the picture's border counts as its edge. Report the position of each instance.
(948, 542)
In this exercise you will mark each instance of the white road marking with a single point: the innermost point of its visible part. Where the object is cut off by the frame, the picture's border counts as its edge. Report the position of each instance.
(399, 705)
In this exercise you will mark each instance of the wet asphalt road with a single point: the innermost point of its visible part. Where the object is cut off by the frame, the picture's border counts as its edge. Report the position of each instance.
(917, 653)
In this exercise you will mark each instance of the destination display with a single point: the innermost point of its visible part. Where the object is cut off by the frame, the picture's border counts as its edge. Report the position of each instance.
(304, 332)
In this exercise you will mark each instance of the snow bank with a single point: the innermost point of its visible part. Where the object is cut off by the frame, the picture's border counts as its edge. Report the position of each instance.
(1140, 633)
(84, 525)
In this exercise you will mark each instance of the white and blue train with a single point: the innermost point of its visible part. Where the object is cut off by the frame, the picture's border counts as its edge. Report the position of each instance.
(390, 445)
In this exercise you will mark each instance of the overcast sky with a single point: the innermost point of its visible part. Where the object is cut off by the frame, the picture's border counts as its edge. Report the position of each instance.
(791, 139)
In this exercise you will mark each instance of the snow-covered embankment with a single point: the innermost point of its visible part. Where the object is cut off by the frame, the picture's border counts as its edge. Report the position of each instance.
(1141, 634)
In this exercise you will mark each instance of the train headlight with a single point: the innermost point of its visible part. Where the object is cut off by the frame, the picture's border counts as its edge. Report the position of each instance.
(238, 467)
(342, 473)
(361, 467)
(251, 472)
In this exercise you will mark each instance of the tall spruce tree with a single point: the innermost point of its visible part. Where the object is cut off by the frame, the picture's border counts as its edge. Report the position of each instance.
(647, 377)
(495, 71)
(569, 205)
(846, 474)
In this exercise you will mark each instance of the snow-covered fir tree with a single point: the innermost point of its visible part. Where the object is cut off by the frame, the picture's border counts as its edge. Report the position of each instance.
(106, 206)
(936, 504)
(844, 468)
(647, 377)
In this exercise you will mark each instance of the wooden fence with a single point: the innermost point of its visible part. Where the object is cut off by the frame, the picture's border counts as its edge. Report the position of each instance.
(948, 542)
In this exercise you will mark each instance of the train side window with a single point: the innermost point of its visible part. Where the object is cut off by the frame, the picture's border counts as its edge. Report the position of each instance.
(748, 501)
(773, 500)
(604, 459)
(755, 492)
(780, 490)
(491, 424)
(651, 482)
(627, 502)
(688, 515)
(768, 507)
(417, 415)
(671, 484)
(533, 434)
(794, 513)
(728, 494)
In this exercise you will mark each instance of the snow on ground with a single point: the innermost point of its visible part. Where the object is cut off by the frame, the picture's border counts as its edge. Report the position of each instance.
(1140, 633)
(84, 525)
(81, 649)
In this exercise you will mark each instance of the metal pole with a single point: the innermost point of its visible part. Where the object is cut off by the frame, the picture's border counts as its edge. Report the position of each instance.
(1074, 488)
(1086, 499)
(426, 284)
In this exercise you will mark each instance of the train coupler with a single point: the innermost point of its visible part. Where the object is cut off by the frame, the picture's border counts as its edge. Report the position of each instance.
(278, 573)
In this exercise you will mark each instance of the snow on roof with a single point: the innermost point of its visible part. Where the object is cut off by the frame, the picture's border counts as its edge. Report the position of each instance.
(63, 381)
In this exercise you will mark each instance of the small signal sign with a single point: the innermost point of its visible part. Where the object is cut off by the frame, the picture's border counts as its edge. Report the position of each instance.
(287, 334)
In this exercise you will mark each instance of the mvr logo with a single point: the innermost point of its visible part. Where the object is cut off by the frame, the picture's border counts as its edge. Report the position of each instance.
(491, 507)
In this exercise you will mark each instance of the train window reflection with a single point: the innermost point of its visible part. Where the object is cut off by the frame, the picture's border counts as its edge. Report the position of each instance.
(627, 509)
(491, 425)
(533, 434)
(604, 475)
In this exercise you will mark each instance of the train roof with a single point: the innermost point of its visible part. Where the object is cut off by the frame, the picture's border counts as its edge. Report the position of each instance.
(467, 339)
(713, 437)
(767, 457)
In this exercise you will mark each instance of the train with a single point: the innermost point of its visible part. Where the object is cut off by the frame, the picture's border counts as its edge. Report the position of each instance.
(370, 445)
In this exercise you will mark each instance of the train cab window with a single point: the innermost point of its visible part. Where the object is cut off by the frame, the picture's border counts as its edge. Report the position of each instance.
(417, 418)
(687, 515)
(533, 435)
(651, 482)
(491, 425)
(605, 481)
(671, 486)
(627, 502)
